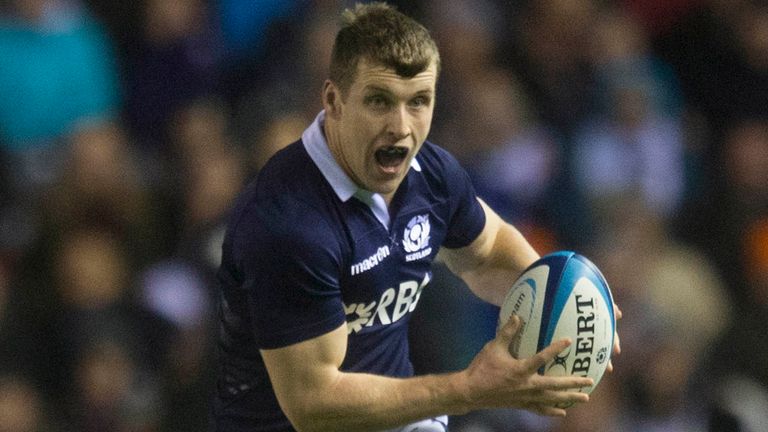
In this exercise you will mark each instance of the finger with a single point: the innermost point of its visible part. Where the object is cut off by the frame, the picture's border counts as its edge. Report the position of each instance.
(563, 382)
(562, 399)
(617, 312)
(549, 411)
(616, 343)
(508, 331)
(610, 366)
(546, 355)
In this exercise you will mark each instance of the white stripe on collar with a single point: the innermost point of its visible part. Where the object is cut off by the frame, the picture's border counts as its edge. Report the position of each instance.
(317, 147)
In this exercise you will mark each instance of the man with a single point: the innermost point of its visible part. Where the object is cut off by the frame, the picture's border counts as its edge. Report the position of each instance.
(329, 249)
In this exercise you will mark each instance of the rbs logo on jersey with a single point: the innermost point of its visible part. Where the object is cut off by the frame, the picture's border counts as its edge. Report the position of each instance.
(391, 307)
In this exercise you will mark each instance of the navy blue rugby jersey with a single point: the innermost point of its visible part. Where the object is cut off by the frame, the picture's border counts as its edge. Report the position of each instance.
(307, 251)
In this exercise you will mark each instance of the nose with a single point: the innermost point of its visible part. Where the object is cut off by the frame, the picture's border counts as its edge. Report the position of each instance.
(399, 126)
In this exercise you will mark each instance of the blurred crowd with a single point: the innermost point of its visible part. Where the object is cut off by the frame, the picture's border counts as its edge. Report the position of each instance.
(632, 131)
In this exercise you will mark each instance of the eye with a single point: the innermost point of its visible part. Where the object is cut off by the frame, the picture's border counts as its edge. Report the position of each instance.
(420, 102)
(377, 101)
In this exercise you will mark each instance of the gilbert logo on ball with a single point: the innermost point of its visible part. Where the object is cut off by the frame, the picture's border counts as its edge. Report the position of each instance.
(563, 295)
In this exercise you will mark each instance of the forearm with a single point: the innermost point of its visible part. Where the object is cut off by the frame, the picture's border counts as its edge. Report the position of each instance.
(364, 402)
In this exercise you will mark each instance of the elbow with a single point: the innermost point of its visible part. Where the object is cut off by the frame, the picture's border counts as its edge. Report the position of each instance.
(311, 419)
(310, 427)
(308, 424)
(300, 419)
(304, 424)
(301, 425)
(325, 420)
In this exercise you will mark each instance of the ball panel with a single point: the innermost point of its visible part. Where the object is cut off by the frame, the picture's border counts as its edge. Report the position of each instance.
(587, 322)
(561, 290)
(524, 301)
(600, 282)
(605, 315)
(550, 313)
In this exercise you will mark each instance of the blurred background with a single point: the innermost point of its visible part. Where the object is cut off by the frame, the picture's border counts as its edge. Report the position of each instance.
(632, 131)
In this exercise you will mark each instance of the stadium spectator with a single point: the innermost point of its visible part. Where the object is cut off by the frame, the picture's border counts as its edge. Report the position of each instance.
(176, 59)
(550, 52)
(58, 72)
(667, 343)
(633, 143)
(23, 408)
(740, 400)
(97, 316)
(104, 184)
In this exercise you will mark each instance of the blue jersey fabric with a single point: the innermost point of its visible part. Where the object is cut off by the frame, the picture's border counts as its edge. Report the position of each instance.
(303, 256)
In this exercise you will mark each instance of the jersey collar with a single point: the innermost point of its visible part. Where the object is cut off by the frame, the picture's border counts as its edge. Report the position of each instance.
(317, 147)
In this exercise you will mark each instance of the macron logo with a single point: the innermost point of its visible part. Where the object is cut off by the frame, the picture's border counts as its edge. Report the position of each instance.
(370, 262)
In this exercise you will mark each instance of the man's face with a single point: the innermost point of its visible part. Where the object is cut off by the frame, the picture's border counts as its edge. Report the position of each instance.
(380, 124)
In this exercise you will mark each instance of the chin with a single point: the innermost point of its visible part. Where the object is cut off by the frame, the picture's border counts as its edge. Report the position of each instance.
(383, 188)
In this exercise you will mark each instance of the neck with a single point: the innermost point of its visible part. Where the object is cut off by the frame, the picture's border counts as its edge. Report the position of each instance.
(333, 138)
(331, 134)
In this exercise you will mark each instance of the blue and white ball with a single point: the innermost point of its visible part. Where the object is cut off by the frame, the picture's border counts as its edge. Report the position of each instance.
(563, 295)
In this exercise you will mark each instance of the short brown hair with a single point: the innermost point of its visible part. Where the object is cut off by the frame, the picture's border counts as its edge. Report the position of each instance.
(381, 34)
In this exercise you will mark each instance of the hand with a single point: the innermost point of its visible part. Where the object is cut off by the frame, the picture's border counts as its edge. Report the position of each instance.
(616, 343)
(495, 379)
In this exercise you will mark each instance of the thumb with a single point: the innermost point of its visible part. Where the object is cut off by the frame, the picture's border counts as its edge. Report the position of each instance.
(506, 333)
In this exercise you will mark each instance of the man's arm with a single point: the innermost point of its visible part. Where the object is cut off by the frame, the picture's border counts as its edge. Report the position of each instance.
(317, 396)
(493, 261)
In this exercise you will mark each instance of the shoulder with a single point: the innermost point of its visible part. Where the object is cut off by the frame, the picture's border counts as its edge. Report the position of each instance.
(286, 169)
(288, 185)
(434, 159)
(441, 170)
(449, 182)
(286, 208)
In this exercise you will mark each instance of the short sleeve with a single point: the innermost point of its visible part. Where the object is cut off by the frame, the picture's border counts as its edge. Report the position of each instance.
(467, 218)
(289, 261)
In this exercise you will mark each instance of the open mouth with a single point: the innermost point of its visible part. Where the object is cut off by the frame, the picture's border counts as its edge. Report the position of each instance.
(391, 156)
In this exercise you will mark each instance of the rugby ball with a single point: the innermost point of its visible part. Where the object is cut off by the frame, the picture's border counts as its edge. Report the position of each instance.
(563, 295)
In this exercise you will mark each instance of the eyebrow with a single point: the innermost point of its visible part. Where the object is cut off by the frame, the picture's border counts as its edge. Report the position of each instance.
(375, 88)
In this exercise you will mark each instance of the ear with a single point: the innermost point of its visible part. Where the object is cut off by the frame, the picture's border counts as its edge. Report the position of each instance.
(331, 99)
